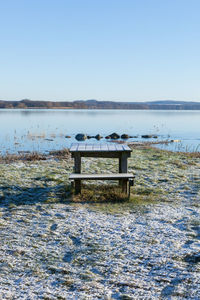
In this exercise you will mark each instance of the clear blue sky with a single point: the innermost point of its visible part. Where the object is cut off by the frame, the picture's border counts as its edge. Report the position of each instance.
(123, 50)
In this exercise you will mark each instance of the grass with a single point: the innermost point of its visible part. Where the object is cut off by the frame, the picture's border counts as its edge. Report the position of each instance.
(35, 156)
(100, 193)
(158, 174)
(111, 195)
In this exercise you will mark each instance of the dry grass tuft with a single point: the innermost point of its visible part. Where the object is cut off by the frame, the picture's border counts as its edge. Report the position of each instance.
(100, 193)
(64, 153)
(34, 156)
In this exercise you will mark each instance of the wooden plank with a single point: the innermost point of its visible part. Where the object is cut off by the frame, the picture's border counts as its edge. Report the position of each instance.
(73, 147)
(96, 148)
(81, 147)
(111, 147)
(114, 176)
(88, 147)
(100, 153)
(104, 147)
(126, 148)
(119, 147)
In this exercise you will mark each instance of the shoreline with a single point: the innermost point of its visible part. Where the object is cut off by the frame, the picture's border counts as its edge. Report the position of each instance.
(65, 154)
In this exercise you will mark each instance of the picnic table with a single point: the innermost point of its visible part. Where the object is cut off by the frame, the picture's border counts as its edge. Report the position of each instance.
(120, 151)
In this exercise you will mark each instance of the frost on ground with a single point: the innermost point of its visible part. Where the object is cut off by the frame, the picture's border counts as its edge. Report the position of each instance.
(147, 248)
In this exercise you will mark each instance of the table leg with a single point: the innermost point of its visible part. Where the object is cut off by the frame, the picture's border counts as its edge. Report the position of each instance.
(123, 168)
(120, 169)
(77, 169)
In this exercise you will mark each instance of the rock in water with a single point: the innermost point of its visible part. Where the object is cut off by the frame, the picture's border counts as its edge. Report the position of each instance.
(175, 141)
(147, 136)
(81, 137)
(98, 137)
(114, 136)
(125, 136)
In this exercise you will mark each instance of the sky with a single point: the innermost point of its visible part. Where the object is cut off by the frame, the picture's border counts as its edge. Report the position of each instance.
(118, 50)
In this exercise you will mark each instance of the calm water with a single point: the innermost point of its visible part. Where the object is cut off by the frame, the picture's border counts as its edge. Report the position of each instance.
(43, 130)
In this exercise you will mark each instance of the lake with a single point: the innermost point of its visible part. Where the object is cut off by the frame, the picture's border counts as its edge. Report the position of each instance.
(44, 130)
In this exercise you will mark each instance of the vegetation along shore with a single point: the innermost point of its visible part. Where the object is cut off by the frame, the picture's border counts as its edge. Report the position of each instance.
(100, 245)
(95, 104)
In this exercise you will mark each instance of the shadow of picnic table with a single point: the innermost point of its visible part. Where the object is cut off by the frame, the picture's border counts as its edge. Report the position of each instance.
(18, 195)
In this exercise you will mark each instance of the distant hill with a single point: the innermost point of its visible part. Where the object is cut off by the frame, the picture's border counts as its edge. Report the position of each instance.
(171, 102)
(94, 104)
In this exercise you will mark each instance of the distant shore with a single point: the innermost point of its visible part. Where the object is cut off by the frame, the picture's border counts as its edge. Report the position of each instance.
(94, 104)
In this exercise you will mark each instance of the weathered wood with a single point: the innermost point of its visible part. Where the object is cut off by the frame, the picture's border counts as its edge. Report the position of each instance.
(120, 163)
(114, 176)
(77, 163)
(96, 148)
(126, 147)
(122, 152)
(124, 162)
(112, 147)
(73, 147)
(77, 169)
(79, 147)
(123, 169)
(131, 183)
(119, 147)
(88, 147)
(104, 147)
(100, 153)
(125, 177)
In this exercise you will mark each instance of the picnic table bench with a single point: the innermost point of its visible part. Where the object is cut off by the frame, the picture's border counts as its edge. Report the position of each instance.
(122, 152)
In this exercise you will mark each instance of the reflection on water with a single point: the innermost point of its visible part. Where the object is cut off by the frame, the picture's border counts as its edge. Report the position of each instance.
(44, 129)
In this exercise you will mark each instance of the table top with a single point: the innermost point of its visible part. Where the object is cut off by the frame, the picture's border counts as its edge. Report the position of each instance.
(79, 147)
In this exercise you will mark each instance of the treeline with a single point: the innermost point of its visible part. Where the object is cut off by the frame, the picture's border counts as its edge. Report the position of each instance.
(94, 104)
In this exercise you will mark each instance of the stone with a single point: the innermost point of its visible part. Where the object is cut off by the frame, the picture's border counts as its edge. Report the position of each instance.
(108, 137)
(98, 137)
(114, 136)
(125, 136)
(174, 141)
(81, 137)
(147, 136)
(67, 136)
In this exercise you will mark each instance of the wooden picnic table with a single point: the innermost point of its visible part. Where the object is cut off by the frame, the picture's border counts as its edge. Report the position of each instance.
(120, 151)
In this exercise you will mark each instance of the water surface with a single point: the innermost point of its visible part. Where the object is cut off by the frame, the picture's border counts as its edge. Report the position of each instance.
(43, 129)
